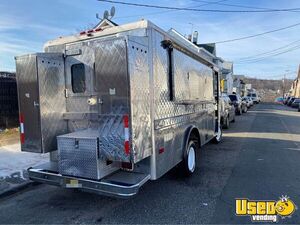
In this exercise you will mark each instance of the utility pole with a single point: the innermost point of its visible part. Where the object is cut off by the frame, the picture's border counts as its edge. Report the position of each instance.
(283, 85)
(284, 82)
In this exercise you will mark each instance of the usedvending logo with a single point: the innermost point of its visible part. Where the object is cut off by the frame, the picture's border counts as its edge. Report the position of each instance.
(265, 210)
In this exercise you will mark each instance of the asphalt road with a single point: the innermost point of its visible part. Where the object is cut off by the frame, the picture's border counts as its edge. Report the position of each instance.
(259, 158)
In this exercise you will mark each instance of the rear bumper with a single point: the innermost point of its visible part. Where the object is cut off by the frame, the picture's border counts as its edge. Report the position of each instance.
(119, 184)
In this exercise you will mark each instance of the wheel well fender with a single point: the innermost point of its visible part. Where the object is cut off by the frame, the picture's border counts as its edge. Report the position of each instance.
(191, 132)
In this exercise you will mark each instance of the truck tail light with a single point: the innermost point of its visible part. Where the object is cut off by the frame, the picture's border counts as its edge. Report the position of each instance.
(22, 134)
(126, 134)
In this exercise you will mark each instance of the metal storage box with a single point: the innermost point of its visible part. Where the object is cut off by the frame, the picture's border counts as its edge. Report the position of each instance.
(79, 155)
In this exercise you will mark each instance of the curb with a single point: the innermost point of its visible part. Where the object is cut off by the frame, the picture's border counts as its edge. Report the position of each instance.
(18, 188)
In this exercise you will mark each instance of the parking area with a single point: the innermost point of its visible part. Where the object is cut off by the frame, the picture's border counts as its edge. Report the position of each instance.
(257, 159)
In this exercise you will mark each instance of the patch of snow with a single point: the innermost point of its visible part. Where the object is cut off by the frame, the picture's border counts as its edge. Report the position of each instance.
(13, 160)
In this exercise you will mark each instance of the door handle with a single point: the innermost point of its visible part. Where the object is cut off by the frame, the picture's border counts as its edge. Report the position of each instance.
(36, 104)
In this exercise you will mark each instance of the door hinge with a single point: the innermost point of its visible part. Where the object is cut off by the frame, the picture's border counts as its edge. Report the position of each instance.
(66, 93)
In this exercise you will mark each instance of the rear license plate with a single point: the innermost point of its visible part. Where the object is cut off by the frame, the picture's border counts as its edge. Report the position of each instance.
(72, 183)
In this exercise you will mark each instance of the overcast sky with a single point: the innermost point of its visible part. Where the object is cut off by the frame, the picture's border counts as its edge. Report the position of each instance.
(26, 25)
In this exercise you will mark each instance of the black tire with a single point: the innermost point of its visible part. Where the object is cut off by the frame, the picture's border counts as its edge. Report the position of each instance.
(226, 123)
(218, 138)
(187, 166)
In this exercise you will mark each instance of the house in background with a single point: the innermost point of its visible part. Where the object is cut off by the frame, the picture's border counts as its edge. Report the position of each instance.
(227, 77)
(227, 68)
(295, 88)
(239, 85)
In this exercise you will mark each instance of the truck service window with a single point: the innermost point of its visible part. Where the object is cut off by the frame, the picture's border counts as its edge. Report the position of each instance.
(78, 78)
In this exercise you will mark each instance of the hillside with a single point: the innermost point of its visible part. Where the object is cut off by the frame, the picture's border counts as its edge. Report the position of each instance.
(269, 89)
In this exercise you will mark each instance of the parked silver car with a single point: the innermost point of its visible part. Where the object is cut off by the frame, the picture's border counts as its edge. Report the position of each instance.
(248, 100)
(227, 111)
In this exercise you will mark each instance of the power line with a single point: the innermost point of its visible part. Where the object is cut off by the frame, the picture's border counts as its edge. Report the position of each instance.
(259, 34)
(240, 6)
(218, 2)
(200, 10)
(268, 52)
(170, 10)
(266, 57)
(272, 55)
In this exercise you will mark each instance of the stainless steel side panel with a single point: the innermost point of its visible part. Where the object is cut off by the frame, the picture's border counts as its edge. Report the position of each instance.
(139, 75)
(193, 81)
(173, 118)
(41, 85)
(77, 102)
(111, 76)
(112, 86)
(26, 73)
(52, 98)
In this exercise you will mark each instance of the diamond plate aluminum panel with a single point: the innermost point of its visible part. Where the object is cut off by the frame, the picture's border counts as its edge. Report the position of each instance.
(78, 154)
(112, 138)
(111, 76)
(41, 93)
(26, 74)
(78, 102)
(138, 60)
(164, 108)
(112, 86)
(183, 64)
(52, 99)
(172, 118)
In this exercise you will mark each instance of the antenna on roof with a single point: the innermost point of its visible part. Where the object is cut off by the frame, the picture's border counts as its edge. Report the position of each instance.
(107, 15)
(112, 12)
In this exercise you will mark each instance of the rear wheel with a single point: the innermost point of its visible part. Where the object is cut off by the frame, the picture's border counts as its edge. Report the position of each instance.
(189, 158)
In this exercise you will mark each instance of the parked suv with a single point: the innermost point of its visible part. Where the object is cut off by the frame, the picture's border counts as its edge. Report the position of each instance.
(227, 111)
(248, 101)
(295, 103)
(290, 101)
(255, 97)
(239, 105)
